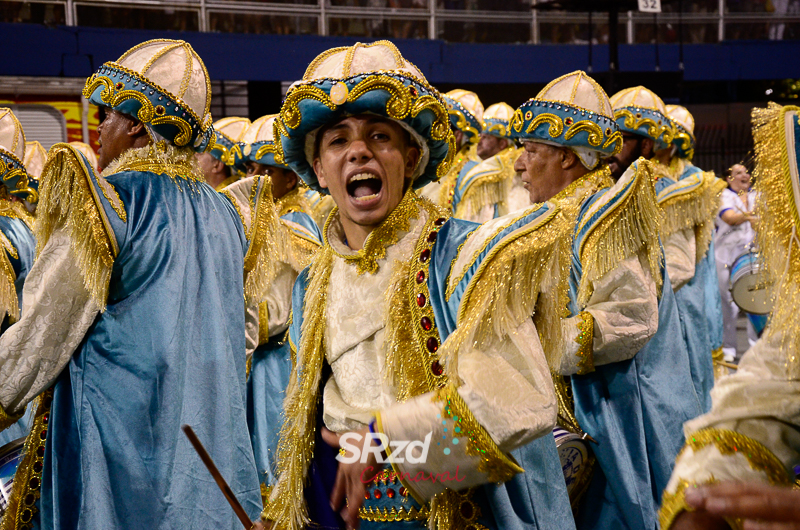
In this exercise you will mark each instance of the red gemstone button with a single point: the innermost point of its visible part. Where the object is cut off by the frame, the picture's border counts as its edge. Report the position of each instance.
(425, 255)
(421, 300)
(436, 368)
(432, 237)
(366, 495)
(420, 276)
(426, 323)
(390, 493)
(440, 221)
(403, 491)
(378, 494)
(432, 344)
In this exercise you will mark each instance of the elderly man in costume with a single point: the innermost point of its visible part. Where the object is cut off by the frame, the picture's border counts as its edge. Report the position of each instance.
(751, 438)
(223, 164)
(482, 193)
(17, 244)
(287, 233)
(619, 346)
(136, 279)
(398, 317)
(688, 207)
(466, 119)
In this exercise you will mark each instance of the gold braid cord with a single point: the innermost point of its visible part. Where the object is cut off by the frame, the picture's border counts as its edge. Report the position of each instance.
(490, 188)
(727, 443)
(296, 446)
(630, 226)
(68, 197)
(778, 221)
(268, 243)
(448, 182)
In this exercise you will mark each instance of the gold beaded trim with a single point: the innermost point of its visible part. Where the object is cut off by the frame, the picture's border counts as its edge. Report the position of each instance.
(394, 514)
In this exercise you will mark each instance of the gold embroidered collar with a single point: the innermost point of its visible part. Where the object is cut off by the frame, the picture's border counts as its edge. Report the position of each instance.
(15, 210)
(294, 201)
(160, 158)
(386, 235)
(591, 181)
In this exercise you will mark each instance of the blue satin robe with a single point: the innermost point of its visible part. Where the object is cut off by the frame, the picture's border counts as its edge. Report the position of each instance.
(270, 370)
(458, 192)
(24, 242)
(534, 500)
(695, 325)
(635, 409)
(167, 351)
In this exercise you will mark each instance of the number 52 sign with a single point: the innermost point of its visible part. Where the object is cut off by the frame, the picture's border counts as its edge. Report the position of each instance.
(650, 6)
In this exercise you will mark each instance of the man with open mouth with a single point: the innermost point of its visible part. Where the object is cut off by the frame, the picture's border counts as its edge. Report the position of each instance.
(411, 331)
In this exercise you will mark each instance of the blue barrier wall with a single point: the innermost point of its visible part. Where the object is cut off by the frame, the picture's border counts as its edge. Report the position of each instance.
(33, 50)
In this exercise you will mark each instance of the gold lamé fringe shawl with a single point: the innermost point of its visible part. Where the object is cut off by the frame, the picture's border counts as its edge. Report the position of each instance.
(633, 226)
(66, 199)
(296, 446)
(9, 304)
(294, 201)
(777, 215)
(693, 210)
(490, 189)
(519, 278)
(448, 182)
(269, 243)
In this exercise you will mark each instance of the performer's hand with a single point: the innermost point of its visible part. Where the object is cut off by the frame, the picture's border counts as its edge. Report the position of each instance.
(763, 507)
(351, 479)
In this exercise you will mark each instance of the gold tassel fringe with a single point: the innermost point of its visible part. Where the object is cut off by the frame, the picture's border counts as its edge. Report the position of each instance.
(268, 244)
(778, 221)
(632, 226)
(66, 198)
(296, 446)
(490, 189)
(9, 303)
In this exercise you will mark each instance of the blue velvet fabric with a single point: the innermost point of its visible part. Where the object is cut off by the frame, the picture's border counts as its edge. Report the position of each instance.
(167, 351)
(24, 242)
(534, 500)
(635, 409)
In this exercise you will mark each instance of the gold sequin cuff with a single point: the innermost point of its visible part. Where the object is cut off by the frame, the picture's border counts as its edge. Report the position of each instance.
(7, 420)
(585, 340)
(672, 505)
(727, 443)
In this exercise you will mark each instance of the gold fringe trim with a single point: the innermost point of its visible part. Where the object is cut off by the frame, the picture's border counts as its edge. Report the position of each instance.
(631, 226)
(67, 197)
(778, 215)
(294, 201)
(7, 420)
(268, 243)
(385, 516)
(719, 370)
(296, 446)
(448, 182)
(523, 275)
(9, 302)
(300, 250)
(585, 340)
(16, 210)
(704, 233)
(489, 189)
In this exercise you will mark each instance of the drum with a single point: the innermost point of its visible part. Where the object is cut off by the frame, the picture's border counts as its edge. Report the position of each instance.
(750, 287)
(10, 457)
(577, 462)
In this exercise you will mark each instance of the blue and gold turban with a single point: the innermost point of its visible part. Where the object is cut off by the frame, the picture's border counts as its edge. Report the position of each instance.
(496, 120)
(683, 122)
(364, 79)
(228, 142)
(572, 111)
(638, 110)
(259, 142)
(162, 83)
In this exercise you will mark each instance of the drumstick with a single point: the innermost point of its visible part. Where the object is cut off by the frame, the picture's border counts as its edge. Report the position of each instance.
(727, 365)
(212, 468)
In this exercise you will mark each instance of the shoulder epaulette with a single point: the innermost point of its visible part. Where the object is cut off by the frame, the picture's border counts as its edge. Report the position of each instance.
(485, 184)
(73, 195)
(509, 267)
(618, 223)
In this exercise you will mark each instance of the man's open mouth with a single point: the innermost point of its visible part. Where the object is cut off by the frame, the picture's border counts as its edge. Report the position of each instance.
(364, 186)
